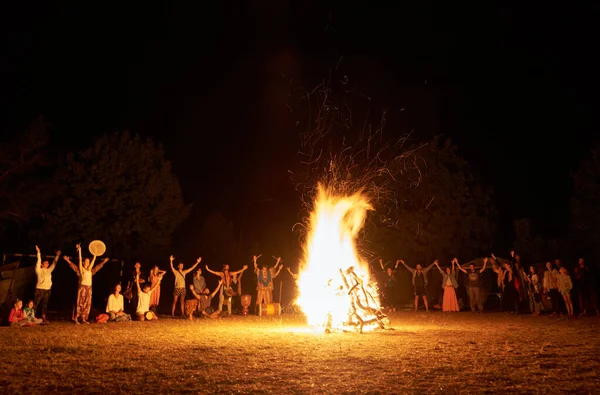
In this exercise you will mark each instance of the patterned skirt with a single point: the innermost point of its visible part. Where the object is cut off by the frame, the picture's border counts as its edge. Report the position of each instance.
(84, 301)
(191, 305)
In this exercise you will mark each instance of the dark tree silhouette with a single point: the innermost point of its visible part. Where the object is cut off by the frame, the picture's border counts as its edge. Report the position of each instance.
(585, 206)
(440, 210)
(21, 160)
(122, 191)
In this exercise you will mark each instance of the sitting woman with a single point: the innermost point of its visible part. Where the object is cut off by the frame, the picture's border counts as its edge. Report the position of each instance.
(143, 308)
(29, 313)
(16, 316)
(115, 306)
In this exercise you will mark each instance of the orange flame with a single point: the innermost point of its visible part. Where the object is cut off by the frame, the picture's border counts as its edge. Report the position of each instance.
(330, 247)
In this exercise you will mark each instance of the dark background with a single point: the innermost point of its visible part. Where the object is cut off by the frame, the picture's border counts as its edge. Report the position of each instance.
(513, 85)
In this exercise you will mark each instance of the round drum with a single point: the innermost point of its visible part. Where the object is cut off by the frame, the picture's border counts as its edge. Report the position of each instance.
(149, 315)
(97, 248)
(269, 309)
(246, 300)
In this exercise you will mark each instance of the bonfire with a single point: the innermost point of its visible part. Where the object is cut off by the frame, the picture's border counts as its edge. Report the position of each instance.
(335, 290)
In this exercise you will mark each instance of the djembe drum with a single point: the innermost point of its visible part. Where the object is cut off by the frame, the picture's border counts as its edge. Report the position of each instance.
(97, 248)
(246, 300)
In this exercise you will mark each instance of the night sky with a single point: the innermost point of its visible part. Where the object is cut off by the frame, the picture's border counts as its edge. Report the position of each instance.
(514, 86)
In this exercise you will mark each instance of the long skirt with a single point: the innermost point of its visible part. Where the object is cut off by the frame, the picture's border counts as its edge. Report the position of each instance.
(449, 303)
(84, 301)
(155, 296)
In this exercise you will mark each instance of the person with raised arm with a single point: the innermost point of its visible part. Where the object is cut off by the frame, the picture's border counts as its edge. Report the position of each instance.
(390, 289)
(179, 291)
(143, 306)
(84, 272)
(205, 302)
(474, 284)
(155, 277)
(226, 290)
(115, 307)
(419, 281)
(43, 271)
(265, 277)
(449, 284)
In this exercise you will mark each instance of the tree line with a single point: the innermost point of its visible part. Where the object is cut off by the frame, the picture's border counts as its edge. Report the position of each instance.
(122, 189)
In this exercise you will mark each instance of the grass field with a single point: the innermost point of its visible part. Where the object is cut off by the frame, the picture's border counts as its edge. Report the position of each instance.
(425, 353)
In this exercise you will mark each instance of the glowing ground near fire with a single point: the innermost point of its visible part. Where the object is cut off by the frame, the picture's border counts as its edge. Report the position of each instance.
(426, 353)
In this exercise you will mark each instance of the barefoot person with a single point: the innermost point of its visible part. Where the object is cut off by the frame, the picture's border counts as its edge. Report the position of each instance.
(419, 281)
(115, 307)
(29, 313)
(205, 302)
(565, 285)
(155, 277)
(143, 307)
(265, 277)
(449, 284)
(179, 292)
(226, 289)
(43, 272)
(85, 271)
(191, 302)
(474, 284)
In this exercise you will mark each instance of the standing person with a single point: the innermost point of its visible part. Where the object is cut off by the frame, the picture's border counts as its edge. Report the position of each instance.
(43, 287)
(226, 290)
(179, 291)
(265, 277)
(535, 292)
(550, 284)
(84, 272)
(390, 288)
(511, 295)
(565, 285)
(155, 277)
(586, 284)
(419, 281)
(474, 284)
(115, 307)
(449, 284)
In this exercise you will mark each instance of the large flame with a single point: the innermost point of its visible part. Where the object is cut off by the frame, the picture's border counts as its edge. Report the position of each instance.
(330, 252)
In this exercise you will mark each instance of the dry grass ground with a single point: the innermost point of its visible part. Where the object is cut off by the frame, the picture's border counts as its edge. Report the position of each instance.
(425, 353)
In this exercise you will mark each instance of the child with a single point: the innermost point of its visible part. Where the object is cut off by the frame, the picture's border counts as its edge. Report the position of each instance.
(29, 313)
(16, 316)
(565, 285)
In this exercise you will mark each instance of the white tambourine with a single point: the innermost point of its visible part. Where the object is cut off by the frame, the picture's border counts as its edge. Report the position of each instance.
(97, 248)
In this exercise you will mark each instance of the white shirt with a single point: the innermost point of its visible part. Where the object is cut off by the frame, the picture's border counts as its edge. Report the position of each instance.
(44, 276)
(86, 277)
(115, 303)
(143, 302)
